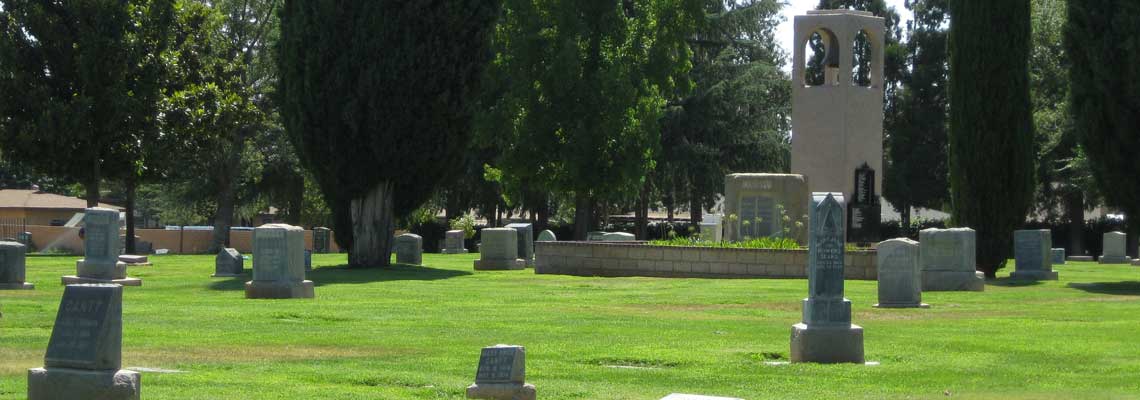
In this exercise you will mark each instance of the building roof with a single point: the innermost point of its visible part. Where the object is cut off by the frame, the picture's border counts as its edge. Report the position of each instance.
(19, 198)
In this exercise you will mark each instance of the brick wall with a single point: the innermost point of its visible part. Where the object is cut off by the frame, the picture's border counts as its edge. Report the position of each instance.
(639, 259)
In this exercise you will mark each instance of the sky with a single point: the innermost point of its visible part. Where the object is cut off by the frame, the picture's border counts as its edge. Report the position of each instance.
(799, 7)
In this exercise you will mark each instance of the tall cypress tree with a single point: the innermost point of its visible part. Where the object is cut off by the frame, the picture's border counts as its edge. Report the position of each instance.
(991, 126)
(375, 97)
(1101, 41)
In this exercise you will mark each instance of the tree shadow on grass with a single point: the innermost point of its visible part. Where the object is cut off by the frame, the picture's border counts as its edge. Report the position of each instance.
(342, 274)
(1127, 288)
(1011, 282)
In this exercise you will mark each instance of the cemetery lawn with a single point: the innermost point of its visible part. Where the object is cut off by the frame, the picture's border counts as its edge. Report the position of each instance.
(415, 333)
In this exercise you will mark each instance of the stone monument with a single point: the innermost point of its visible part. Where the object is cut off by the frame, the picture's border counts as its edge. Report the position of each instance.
(826, 334)
(321, 240)
(756, 203)
(501, 375)
(864, 212)
(278, 264)
(1059, 256)
(595, 236)
(1113, 246)
(547, 236)
(101, 251)
(525, 232)
(500, 250)
(228, 263)
(84, 353)
(1032, 255)
(453, 242)
(948, 260)
(837, 124)
(12, 267)
(618, 237)
(900, 279)
(409, 249)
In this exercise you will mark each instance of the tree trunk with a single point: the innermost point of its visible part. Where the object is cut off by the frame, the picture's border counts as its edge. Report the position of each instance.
(129, 240)
(223, 218)
(372, 228)
(695, 212)
(642, 213)
(904, 221)
(92, 189)
(296, 204)
(1132, 241)
(583, 213)
(1075, 215)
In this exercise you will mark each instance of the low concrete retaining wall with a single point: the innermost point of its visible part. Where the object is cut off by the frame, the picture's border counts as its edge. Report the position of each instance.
(639, 259)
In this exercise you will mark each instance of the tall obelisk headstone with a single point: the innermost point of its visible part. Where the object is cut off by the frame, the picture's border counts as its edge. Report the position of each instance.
(100, 263)
(85, 351)
(826, 334)
(12, 266)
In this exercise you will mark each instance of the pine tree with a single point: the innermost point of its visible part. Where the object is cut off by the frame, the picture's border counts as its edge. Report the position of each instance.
(991, 126)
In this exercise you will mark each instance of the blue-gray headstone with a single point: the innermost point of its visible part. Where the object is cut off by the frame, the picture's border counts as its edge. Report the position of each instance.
(88, 331)
(100, 243)
(502, 364)
(12, 262)
(229, 262)
(1058, 256)
(825, 304)
(526, 239)
(1031, 250)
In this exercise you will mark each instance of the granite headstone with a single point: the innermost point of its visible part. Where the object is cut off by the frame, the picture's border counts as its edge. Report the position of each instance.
(949, 260)
(499, 250)
(84, 353)
(525, 233)
(900, 279)
(1113, 246)
(547, 236)
(409, 249)
(100, 263)
(1032, 255)
(228, 263)
(278, 264)
(618, 237)
(501, 375)
(826, 334)
(12, 267)
(1059, 256)
(453, 242)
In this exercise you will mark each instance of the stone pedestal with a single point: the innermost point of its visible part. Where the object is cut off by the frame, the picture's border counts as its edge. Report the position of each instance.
(827, 344)
(949, 260)
(499, 250)
(525, 233)
(79, 280)
(453, 242)
(278, 264)
(279, 290)
(1080, 258)
(501, 391)
(72, 384)
(618, 237)
(1032, 255)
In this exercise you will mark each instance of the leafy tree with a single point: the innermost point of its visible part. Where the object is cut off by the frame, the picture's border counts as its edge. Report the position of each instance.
(991, 125)
(1101, 42)
(916, 169)
(375, 97)
(217, 104)
(736, 119)
(589, 81)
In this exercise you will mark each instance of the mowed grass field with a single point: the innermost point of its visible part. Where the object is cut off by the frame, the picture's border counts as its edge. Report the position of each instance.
(415, 333)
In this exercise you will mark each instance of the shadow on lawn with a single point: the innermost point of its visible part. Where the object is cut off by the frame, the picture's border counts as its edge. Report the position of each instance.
(1127, 288)
(341, 274)
(1010, 282)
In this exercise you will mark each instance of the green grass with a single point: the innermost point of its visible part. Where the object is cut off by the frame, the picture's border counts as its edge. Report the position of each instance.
(416, 333)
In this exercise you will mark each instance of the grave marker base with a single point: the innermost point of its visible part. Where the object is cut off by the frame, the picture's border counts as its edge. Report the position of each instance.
(17, 286)
(279, 290)
(454, 251)
(501, 391)
(953, 281)
(76, 280)
(1034, 275)
(69, 384)
(229, 275)
(494, 265)
(827, 344)
(1114, 260)
(1079, 258)
(901, 305)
